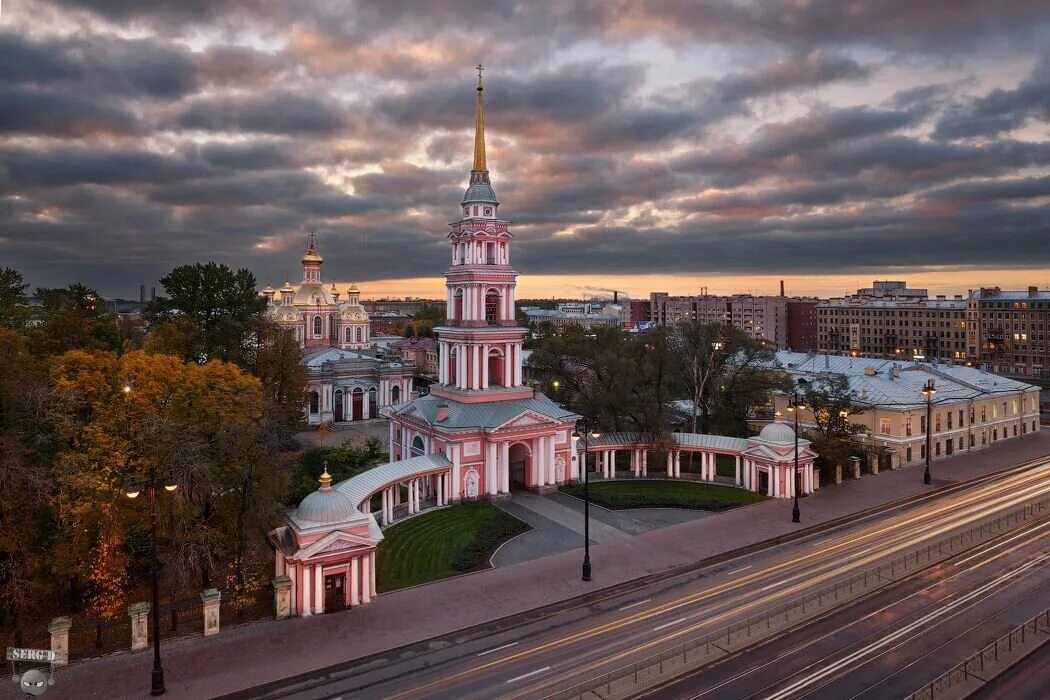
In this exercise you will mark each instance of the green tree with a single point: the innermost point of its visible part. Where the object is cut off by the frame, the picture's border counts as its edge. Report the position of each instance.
(73, 318)
(13, 311)
(830, 402)
(210, 312)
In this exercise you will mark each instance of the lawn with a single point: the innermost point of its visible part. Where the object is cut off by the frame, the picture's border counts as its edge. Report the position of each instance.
(442, 543)
(665, 494)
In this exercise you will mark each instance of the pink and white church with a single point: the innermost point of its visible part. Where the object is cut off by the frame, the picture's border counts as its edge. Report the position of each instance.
(480, 432)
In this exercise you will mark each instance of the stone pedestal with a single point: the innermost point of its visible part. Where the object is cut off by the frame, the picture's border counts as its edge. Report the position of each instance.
(874, 465)
(855, 461)
(211, 598)
(59, 629)
(139, 613)
(838, 473)
(282, 597)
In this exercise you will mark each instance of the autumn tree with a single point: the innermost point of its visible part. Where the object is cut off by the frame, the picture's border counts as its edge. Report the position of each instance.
(26, 484)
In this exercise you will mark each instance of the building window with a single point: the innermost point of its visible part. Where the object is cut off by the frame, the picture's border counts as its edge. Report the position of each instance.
(907, 427)
(937, 449)
(884, 426)
(922, 424)
(347, 335)
(360, 334)
(949, 420)
(318, 326)
(984, 413)
(907, 453)
(937, 422)
(315, 403)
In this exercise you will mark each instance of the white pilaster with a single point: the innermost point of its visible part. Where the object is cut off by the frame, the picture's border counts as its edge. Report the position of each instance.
(490, 469)
(504, 468)
(366, 579)
(736, 479)
(485, 366)
(355, 588)
(318, 589)
(307, 589)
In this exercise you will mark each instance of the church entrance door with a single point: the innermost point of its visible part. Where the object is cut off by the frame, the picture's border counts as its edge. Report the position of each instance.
(356, 410)
(337, 410)
(763, 482)
(518, 459)
(334, 593)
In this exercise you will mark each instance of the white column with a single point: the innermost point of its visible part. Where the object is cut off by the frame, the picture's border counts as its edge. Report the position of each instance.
(372, 573)
(516, 363)
(390, 443)
(318, 590)
(366, 579)
(774, 486)
(307, 588)
(670, 464)
(365, 405)
(504, 468)
(490, 468)
(539, 454)
(453, 456)
(485, 366)
(736, 461)
(355, 588)
(477, 366)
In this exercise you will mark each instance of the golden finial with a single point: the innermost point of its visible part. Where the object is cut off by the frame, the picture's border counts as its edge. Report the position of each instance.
(326, 478)
(479, 128)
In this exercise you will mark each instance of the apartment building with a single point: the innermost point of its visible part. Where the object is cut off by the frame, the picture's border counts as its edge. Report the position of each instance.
(1007, 331)
(892, 321)
(971, 408)
(761, 317)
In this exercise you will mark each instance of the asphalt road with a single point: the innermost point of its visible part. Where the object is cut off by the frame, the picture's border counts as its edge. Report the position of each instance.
(899, 639)
(533, 658)
(1027, 680)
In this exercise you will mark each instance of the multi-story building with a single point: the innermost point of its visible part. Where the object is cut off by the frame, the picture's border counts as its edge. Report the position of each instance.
(761, 317)
(422, 352)
(1007, 331)
(639, 311)
(802, 324)
(889, 320)
(971, 409)
(406, 307)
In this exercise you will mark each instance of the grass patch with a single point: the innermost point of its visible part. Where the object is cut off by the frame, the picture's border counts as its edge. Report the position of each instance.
(665, 494)
(442, 543)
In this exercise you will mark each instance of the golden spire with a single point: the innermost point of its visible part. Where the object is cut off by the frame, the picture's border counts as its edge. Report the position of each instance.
(479, 129)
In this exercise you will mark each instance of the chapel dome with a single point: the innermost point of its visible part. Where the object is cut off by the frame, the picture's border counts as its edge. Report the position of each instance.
(326, 506)
(778, 432)
(313, 295)
(480, 192)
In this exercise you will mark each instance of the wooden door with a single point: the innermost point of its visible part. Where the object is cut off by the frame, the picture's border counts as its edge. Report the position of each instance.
(334, 592)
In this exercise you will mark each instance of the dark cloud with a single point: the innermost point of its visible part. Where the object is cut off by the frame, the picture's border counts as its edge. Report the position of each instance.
(624, 137)
(1000, 110)
(275, 113)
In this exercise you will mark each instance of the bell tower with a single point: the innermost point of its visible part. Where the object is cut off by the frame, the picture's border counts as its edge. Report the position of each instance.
(480, 343)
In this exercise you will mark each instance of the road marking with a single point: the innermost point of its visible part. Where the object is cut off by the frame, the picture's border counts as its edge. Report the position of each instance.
(636, 603)
(505, 646)
(672, 622)
(772, 585)
(737, 571)
(530, 673)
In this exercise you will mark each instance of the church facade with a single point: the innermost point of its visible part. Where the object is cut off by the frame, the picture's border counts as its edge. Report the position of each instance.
(347, 378)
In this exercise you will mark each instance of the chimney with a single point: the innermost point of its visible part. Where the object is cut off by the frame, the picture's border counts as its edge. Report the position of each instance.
(781, 287)
(896, 371)
(1033, 292)
(442, 412)
(615, 296)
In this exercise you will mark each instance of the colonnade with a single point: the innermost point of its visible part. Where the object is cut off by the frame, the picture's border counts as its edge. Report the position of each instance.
(436, 486)
(472, 364)
(605, 462)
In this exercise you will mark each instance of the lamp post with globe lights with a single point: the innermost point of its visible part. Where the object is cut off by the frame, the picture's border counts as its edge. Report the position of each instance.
(927, 394)
(795, 407)
(132, 491)
(576, 437)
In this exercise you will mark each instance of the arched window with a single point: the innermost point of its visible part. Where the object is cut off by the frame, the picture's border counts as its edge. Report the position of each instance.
(360, 334)
(494, 368)
(347, 335)
(373, 405)
(395, 394)
(417, 446)
(318, 326)
(315, 403)
(492, 304)
(457, 309)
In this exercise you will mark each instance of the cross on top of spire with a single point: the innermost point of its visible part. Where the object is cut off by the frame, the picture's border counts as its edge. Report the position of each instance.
(479, 69)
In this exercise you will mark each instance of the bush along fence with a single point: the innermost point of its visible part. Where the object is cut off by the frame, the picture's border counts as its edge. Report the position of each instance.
(80, 637)
(995, 658)
(629, 681)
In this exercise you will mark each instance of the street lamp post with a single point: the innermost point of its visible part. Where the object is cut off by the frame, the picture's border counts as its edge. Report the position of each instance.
(132, 491)
(927, 393)
(576, 437)
(796, 407)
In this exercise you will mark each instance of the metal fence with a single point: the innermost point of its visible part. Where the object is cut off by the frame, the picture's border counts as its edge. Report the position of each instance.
(701, 650)
(974, 667)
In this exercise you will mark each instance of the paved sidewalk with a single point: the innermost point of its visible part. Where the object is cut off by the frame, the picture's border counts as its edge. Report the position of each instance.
(257, 653)
(566, 517)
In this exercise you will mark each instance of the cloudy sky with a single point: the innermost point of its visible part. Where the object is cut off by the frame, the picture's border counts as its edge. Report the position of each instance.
(641, 146)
